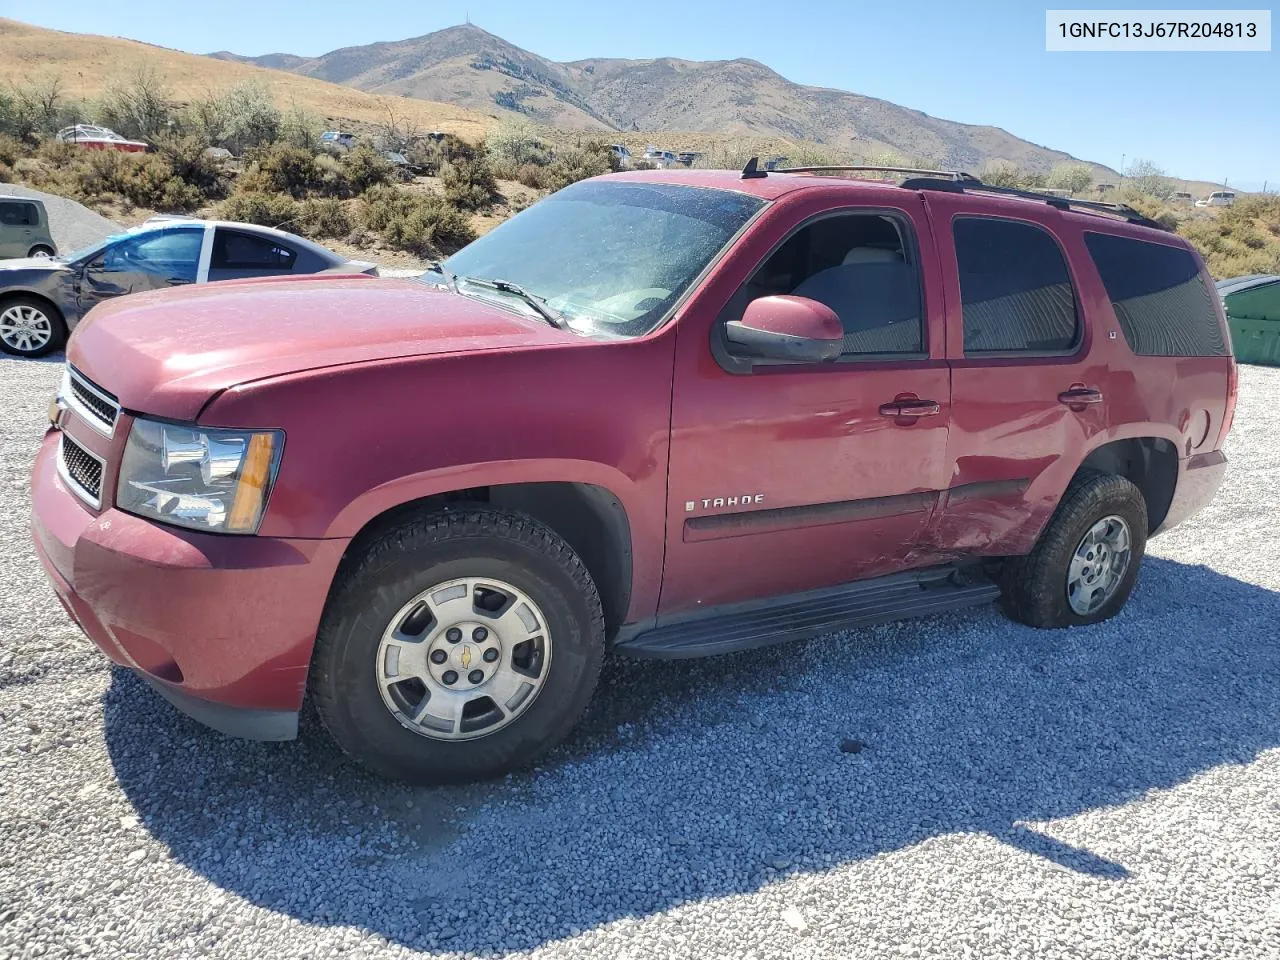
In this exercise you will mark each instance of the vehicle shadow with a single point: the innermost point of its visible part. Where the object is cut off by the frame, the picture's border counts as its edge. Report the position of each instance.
(694, 780)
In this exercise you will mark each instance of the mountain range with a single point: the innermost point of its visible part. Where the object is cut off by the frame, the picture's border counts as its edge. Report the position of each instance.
(470, 67)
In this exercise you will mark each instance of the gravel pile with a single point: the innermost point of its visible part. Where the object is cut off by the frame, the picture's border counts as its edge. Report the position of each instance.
(952, 787)
(73, 225)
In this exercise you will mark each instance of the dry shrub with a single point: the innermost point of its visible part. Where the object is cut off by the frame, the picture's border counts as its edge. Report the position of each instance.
(469, 184)
(424, 225)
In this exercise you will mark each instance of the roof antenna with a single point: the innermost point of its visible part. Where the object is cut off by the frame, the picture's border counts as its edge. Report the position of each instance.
(752, 170)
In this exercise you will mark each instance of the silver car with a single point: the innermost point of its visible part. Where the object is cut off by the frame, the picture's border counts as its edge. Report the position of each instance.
(42, 299)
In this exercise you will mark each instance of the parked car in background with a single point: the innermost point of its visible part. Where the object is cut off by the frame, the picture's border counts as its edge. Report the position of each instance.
(664, 413)
(24, 228)
(1105, 187)
(1182, 196)
(338, 138)
(660, 159)
(689, 157)
(1219, 198)
(43, 298)
(773, 163)
(93, 137)
(622, 155)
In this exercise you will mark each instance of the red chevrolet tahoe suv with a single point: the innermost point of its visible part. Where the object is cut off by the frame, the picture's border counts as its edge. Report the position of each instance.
(669, 413)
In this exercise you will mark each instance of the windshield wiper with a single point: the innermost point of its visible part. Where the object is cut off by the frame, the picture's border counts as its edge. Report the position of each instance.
(538, 304)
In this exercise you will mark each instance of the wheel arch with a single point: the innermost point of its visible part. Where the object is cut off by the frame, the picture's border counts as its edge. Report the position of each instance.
(1148, 462)
(20, 293)
(590, 518)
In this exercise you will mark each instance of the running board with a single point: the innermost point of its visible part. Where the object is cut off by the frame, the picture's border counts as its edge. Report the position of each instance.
(757, 623)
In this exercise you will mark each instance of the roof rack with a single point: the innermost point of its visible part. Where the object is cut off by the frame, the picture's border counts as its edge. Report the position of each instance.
(952, 176)
(1060, 203)
(957, 181)
(752, 171)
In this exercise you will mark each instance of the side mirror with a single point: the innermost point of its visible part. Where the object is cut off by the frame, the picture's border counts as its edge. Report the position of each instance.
(786, 328)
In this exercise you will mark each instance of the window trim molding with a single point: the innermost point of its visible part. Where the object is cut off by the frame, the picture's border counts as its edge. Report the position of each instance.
(1074, 349)
(731, 363)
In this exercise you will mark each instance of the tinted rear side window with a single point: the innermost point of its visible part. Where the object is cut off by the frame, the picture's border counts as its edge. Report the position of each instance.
(19, 214)
(243, 251)
(1160, 299)
(1014, 288)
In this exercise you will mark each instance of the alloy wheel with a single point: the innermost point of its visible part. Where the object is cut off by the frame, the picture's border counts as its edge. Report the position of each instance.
(25, 328)
(463, 659)
(1098, 565)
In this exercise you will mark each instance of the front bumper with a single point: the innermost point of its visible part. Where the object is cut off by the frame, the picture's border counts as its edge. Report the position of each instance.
(222, 625)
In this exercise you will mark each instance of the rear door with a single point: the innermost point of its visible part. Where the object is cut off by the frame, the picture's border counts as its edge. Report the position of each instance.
(789, 477)
(240, 253)
(18, 220)
(1029, 377)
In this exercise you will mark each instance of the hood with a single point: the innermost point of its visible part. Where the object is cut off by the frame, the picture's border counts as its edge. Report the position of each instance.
(33, 263)
(166, 353)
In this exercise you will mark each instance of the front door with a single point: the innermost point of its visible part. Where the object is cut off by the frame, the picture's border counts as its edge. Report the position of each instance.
(148, 261)
(787, 477)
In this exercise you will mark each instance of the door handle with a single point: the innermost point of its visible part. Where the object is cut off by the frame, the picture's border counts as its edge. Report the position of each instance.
(177, 281)
(910, 407)
(1078, 396)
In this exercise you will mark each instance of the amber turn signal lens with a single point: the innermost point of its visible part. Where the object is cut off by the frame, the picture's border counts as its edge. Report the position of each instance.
(251, 490)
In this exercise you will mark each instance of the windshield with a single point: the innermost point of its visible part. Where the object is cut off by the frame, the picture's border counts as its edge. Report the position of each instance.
(611, 257)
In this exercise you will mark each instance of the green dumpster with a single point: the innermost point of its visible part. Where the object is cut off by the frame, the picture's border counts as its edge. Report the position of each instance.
(1253, 314)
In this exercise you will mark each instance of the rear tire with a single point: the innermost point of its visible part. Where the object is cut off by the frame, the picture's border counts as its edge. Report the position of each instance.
(30, 327)
(1077, 574)
(40, 250)
(422, 591)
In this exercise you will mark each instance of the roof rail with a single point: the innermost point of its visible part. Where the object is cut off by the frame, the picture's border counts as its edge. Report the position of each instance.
(753, 171)
(953, 176)
(1060, 203)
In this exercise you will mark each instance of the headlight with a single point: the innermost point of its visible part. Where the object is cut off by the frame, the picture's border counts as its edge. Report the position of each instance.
(197, 477)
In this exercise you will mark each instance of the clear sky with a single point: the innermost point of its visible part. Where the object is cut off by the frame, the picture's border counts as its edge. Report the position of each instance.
(1201, 116)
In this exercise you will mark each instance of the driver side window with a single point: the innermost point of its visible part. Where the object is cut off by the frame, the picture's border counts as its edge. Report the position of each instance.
(172, 253)
(861, 265)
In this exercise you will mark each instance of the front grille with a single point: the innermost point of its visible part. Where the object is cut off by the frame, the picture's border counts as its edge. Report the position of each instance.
(99, 407)
(82, 470)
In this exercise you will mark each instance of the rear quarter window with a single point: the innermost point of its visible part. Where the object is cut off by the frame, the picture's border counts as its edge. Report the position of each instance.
(1160, 299)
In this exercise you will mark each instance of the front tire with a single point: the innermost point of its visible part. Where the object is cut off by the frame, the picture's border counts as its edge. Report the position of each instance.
(30, 327)
(458, 647)
(1086, 561)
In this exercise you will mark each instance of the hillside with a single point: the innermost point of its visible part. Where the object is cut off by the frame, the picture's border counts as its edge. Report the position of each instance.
(84, 64)
(475, 69)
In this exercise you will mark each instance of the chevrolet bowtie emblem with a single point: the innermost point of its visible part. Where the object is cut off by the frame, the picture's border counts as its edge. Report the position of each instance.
(466, 657)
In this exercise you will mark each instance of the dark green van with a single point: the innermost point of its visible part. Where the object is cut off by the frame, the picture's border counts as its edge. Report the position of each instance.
(1253, 314)
(24, 228)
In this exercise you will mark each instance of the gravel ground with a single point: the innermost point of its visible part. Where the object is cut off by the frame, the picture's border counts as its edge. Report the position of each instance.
(73, 225)
(1108, 792)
